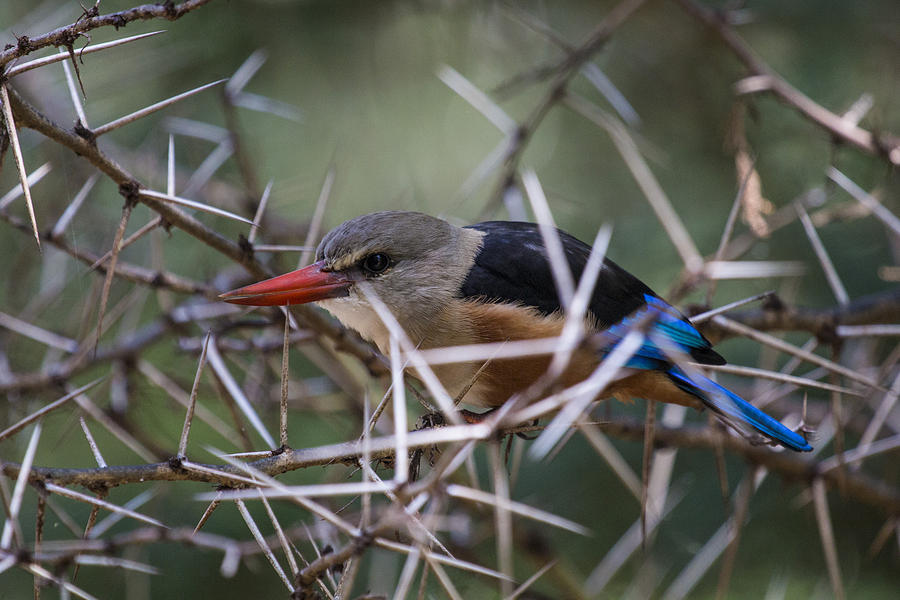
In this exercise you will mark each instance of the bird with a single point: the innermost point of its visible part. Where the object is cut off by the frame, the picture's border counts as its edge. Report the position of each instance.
(493, 282)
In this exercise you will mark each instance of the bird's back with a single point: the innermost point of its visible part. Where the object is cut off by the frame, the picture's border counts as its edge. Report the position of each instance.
(513, 267)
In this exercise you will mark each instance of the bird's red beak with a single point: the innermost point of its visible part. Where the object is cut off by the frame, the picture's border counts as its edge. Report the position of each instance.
(308, 284)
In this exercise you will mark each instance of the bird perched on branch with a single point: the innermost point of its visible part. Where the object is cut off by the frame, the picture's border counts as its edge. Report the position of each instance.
(493, 282)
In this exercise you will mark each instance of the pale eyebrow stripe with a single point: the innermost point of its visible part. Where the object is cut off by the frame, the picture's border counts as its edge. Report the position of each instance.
(349, 260)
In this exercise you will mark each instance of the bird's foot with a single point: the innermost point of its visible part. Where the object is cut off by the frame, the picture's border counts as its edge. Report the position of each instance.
(430, 421)
(525, 436)
(431, 453)
(435, 419)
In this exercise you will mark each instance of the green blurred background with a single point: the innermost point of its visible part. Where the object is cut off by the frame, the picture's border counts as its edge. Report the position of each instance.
(363, 75)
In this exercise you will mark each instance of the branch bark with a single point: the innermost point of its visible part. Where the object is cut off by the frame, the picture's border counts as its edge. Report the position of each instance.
(790, 466)
(886, 145)
(28, 116)
(881, 307)
(563, 73)
(91, 19)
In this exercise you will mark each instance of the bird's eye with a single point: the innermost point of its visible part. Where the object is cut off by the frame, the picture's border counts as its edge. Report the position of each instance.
(376, 263)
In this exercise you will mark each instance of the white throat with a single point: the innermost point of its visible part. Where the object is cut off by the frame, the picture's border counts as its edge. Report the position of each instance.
(354, 313)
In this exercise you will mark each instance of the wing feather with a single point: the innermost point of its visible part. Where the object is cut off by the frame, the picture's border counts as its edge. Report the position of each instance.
(512, 267)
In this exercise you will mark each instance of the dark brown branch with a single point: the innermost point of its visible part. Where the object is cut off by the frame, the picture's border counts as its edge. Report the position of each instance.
(308, 576)
(132, 345)
(883, 307)
(76, 364)
(124, 348)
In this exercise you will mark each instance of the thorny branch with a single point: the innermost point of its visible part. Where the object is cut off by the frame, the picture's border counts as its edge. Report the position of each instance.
(562, 73)
(145, 536)
(765, 79)
(883, 307)
(792, 467)
(28, 116)
(123, 270)
(776, 315)
(92, 19)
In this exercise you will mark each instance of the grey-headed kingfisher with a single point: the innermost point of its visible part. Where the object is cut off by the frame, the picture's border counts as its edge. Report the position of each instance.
(492, 282)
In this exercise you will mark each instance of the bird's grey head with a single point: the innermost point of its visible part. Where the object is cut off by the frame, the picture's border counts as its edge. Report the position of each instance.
(413, 262)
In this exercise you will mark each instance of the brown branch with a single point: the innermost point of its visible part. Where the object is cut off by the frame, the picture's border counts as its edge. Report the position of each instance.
(146, 535)
(124, 348)
(308, 576)
(132, 345)
(28, 116)
(564, 71)
(123, 270)
(91, 19)
(788, 465)
(886, 145)
(881, 307)
(66, 369)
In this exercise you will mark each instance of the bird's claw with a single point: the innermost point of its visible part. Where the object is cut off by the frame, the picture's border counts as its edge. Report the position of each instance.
(430, 421)
(426, 421)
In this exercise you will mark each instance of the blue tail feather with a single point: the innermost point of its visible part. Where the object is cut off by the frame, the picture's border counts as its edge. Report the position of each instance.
(737, 411)
(669, 323)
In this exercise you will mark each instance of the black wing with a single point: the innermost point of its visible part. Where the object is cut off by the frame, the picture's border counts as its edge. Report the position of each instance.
(513, 267)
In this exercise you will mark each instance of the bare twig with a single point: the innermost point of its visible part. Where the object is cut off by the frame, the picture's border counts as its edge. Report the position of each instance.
(860, 486)
(563, 71)
(189, 415)
(765, 79)
(828, 542)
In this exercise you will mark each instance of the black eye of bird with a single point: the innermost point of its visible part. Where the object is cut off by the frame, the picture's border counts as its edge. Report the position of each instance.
(376, 263)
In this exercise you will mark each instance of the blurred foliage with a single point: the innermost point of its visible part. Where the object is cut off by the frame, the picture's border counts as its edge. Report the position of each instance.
(363, 75)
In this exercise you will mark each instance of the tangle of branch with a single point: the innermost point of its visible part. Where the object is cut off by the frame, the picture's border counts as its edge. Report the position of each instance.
(792, 467)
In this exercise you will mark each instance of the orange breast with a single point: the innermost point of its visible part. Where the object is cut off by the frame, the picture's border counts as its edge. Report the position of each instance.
(499, 379)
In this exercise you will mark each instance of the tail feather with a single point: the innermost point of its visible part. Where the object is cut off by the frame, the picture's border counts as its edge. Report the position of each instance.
(737, 411)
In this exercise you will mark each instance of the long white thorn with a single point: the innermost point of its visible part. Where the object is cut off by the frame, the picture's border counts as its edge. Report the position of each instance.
(73, 90)
(221, 369)
(192, 204)
(878, 209)
(401, 454)
(15, 503)
(20, 162)
(245, 72)
(62, 491)
(556, 255)
(115, 124)
(49, 60)
(478, 99)
(74, 205)
(32, 179)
